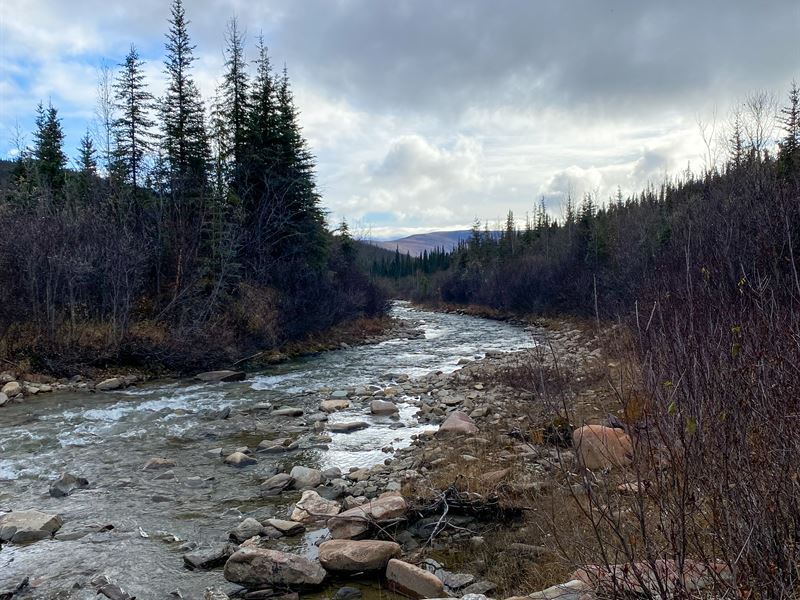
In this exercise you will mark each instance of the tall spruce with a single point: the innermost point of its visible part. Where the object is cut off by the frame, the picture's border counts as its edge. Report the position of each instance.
(184, 138)
(233, 104)
(303, 235)
(132, 129)
(790, 122)
(48, 150)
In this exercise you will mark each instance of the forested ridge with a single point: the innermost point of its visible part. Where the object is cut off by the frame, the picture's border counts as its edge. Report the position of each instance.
(188, 231)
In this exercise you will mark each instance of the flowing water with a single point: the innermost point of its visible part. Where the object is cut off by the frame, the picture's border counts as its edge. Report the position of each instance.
(108, 437)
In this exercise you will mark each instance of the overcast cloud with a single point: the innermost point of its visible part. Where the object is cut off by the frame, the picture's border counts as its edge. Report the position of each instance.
(425, 114)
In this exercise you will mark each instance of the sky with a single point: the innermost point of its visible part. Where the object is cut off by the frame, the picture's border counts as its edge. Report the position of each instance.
(427, 114)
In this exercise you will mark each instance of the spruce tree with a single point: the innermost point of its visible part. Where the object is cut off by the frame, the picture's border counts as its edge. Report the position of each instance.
(48, 150)
(87, 160)
(184, 139)
(233, 104)
(132, 130)
(790, 121)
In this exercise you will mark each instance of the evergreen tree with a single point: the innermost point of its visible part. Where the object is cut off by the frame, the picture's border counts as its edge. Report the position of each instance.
(87, 160)
(790, 120)
(184, 137)
(132, 129)
(233, 105)
(48, 150)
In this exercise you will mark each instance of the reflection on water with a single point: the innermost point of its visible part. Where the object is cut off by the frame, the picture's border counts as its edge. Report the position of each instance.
(108, 437)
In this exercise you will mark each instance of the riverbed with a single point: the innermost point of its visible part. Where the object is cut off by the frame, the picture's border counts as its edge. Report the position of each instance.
(134, 525)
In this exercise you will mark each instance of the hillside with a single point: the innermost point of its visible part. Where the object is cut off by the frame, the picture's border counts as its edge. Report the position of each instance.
(418, 243)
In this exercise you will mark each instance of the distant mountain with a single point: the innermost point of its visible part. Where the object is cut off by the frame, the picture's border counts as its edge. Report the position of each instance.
(416, 244)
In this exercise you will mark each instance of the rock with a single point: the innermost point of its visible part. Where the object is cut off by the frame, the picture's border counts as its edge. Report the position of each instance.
(259, 567)
(3, 398)
(457, 423)
(480, 587)
(338, 394)
(329, 406)
(208, 558)
(599, 447)
(276, 446)
(245, 530)
(24, 526)
(215, 594)
(288, 411)
(312, 508)
(347, 593)
(381, 407)
(275, 485)
(412, 581)
(492, 478)
(347, 427)
(349, 556)
(455, 581)
(288, 528)
(305, 477)
(225, 376)
(159, 463)
(11, 389)
(113, 592)
(572, 590)
(240, 459)
(356, 521)
(108, 385)
(66, 484)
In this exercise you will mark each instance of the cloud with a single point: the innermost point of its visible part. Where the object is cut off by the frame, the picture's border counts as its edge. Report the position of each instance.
(428, 113)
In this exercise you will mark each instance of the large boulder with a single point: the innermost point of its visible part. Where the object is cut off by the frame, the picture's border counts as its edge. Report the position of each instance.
(11, 389)
(108, 385)
(225, 375)
(357, 520)
(412, 581)
(347, 427)
(457, 423)
(275, 485)
(25, 526)
(350, 556)
(305, 477)
(312, 508)
(330, 406)
(600, 447)
(257, 568)
(66, 484)
(382, 407)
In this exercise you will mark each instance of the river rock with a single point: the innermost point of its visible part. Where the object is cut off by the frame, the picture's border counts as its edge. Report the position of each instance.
(24, 526)
(260, 567)
(338, 394)
(305, 477)
(275, 485)
(599, 447)
(572, 590)
(356, 521)
(330, 406)
(159, 463)
(66, 484)
(209, 558)
(288, 411)
(347, 427)
(276, 446)
(382, 407)
(412, 581)
(245, 530)
(457, 423)
(288, 528)
(312, 507)
(348, 593)
(3, 398)
(224, 375)
(108, 385)
(12, 388)
(240, 459)
(351, 556)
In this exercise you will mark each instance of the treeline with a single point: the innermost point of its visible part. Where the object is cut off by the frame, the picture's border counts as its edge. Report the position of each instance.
(405, 265)
(187, 233)
(737, 225)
